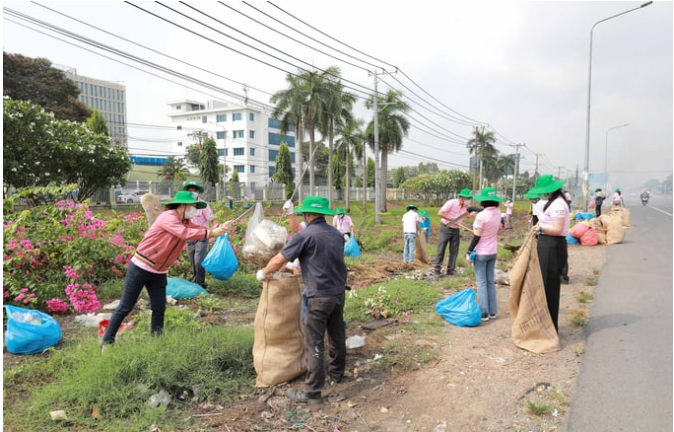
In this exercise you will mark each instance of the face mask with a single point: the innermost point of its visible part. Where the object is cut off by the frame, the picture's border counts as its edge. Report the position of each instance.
(195, 195)
(190, 212)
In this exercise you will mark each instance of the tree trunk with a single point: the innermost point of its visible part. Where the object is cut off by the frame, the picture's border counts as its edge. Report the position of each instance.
(348, 183)
(300, 164)
(364, 179)
(330, 163)
(382, 180)
(312, 190)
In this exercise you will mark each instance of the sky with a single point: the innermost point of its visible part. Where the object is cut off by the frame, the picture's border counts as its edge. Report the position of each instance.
(520, 69)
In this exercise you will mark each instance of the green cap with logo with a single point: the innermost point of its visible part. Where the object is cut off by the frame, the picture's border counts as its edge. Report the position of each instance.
(192, 183)
(185, 197)
(315, 204)
(466, 193)
(547, 184)
(340, 211)
(488, 194)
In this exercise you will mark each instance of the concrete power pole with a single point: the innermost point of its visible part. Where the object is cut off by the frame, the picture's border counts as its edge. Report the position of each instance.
(475, 158)
(517, 165)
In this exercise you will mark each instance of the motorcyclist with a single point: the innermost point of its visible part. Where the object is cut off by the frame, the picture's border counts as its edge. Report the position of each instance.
(644, 197)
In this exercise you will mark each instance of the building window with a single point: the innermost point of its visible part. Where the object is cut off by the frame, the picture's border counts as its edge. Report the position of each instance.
(179, 127)
(251, 169)
(272, 170)
(226, 152)
(220, 134)
(251, 117)
(277, 139)
(239, 151)
(273, 123)
(221, 152)
(292, 157)
(238, 134)
(251, 134)
(252, 151)
(239, 168)
(221, 118)
(204, 119)
(236, 116)
(272, 155)
(180, 143)
(179, 107)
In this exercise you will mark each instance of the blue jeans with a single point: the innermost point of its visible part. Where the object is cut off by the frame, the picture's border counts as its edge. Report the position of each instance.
(410, 244)
(197, 249)
(137, 278)
(486, 288)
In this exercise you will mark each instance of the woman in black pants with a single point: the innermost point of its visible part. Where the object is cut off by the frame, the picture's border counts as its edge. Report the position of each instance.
(552, 228)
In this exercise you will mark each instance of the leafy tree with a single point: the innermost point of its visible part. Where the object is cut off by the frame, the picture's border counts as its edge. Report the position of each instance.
(208, 162)
(438, 187)
(40, 150)
(174, 172)
(193, 154)
(35, 80)
(351, 140)
(370, 172)
(393, 127)
(399, 177)
(96, 123)
(235, 177)
(482, 149)
(284, 171)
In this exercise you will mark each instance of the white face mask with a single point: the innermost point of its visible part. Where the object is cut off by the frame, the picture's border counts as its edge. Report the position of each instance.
(190, 212)
(195, 195)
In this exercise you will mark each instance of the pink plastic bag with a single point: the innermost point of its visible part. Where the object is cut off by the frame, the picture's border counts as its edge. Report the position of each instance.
(579, 230)
(589, 238)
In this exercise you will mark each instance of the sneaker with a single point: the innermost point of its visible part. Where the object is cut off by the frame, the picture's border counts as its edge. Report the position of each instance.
(492, 316)
(485, 317)
(565, 279)
(450, 273)
(299, 396)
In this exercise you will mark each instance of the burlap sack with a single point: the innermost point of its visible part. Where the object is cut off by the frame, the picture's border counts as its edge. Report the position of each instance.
(624, 213)
(597, 224)
(615, 231)
(421, 250)
(152, 207)
(532, 327)
(278, 353)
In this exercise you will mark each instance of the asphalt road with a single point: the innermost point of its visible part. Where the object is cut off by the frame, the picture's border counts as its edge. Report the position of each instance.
(625, 381)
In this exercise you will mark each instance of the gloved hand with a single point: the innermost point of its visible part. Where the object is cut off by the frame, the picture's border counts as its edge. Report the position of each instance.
(346, 237)
(472, 209)
(260, 275)
(288, 207)
(293, 265)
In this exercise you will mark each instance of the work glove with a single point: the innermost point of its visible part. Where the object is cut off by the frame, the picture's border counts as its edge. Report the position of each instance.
(346, 237)
(288, 207)
(472, 209)
(293, 265)
(260, 275)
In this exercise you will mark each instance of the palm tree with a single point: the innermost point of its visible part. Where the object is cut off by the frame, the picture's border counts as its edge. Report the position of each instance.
(482, 149)
(351, 139)
(290, 111)
(393, 126)
(173, 172)
(337, 111)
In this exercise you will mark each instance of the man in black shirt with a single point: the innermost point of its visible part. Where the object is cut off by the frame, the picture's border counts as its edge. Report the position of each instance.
(598, 201)
(320, 249)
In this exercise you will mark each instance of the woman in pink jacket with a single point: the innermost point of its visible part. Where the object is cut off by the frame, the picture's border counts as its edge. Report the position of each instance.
(159, 249)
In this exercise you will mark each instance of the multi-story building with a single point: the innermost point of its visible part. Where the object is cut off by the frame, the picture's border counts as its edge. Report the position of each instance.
(107, 97)
(247, 139)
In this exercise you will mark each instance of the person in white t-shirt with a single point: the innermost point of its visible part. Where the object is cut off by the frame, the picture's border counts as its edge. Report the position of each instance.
(410, 223)
(552, 228)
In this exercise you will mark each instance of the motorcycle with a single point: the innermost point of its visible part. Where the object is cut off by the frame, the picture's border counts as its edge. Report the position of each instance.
(644, 200)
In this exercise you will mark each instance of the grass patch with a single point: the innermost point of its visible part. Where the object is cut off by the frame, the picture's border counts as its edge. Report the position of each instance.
(596, 272)
(398, 296)
(579, 351)
(240, 285)
(578, 317)
(191, 363)
(584, 297)
(593, 281)
(539, 408)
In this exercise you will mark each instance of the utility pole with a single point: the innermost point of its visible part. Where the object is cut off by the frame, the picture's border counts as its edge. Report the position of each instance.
(475, 158)
(517, 165)
(536, 170)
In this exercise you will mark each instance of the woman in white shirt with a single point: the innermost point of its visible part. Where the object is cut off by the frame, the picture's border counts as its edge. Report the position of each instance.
(552, 228)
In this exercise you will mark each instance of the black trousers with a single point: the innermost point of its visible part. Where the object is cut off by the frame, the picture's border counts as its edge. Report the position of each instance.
(552, 255)
(597, 211)
(451, 236)
(324, 314)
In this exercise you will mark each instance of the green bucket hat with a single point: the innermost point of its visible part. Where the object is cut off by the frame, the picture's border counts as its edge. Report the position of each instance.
(185, 197)
(488, 194)
(412, 206)
(598, 190)
(193, 183)
(423, 213)
(315, 204)
(340, 211)
(466, 193)
(617, 190)
(547, 184)
(531, 195)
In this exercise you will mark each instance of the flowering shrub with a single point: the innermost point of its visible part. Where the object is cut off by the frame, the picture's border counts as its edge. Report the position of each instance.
(48, 248)
(377, 306)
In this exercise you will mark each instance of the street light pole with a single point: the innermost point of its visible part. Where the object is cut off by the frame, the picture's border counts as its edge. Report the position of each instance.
(606, 155)
(377, 217)
(589, 93)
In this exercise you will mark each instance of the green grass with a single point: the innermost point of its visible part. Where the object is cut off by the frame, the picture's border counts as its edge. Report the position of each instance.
(201, 363)
(578, 317)
(539, 408)
(584, 297)
(594, 281)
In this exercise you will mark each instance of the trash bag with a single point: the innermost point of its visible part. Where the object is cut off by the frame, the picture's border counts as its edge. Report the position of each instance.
(264, 238)
(182, 289)
(460, 309)
(579, 229)
(351, 248)
(221, 260)
(570, 239)
(30, 331)
(590, 238)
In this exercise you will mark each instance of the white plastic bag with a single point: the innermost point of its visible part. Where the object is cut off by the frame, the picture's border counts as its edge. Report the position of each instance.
(264, 238)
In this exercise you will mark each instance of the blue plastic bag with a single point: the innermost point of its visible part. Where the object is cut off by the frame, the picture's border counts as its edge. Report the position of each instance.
(571, 239)
(30, 331)
(351, 248)
(221, 260)
(460, 309)
(182, 289)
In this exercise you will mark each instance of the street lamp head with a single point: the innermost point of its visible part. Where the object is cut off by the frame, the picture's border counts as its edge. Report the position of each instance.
(646, 4)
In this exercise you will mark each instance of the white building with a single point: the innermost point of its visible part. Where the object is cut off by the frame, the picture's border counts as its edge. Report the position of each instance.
(246, 138)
